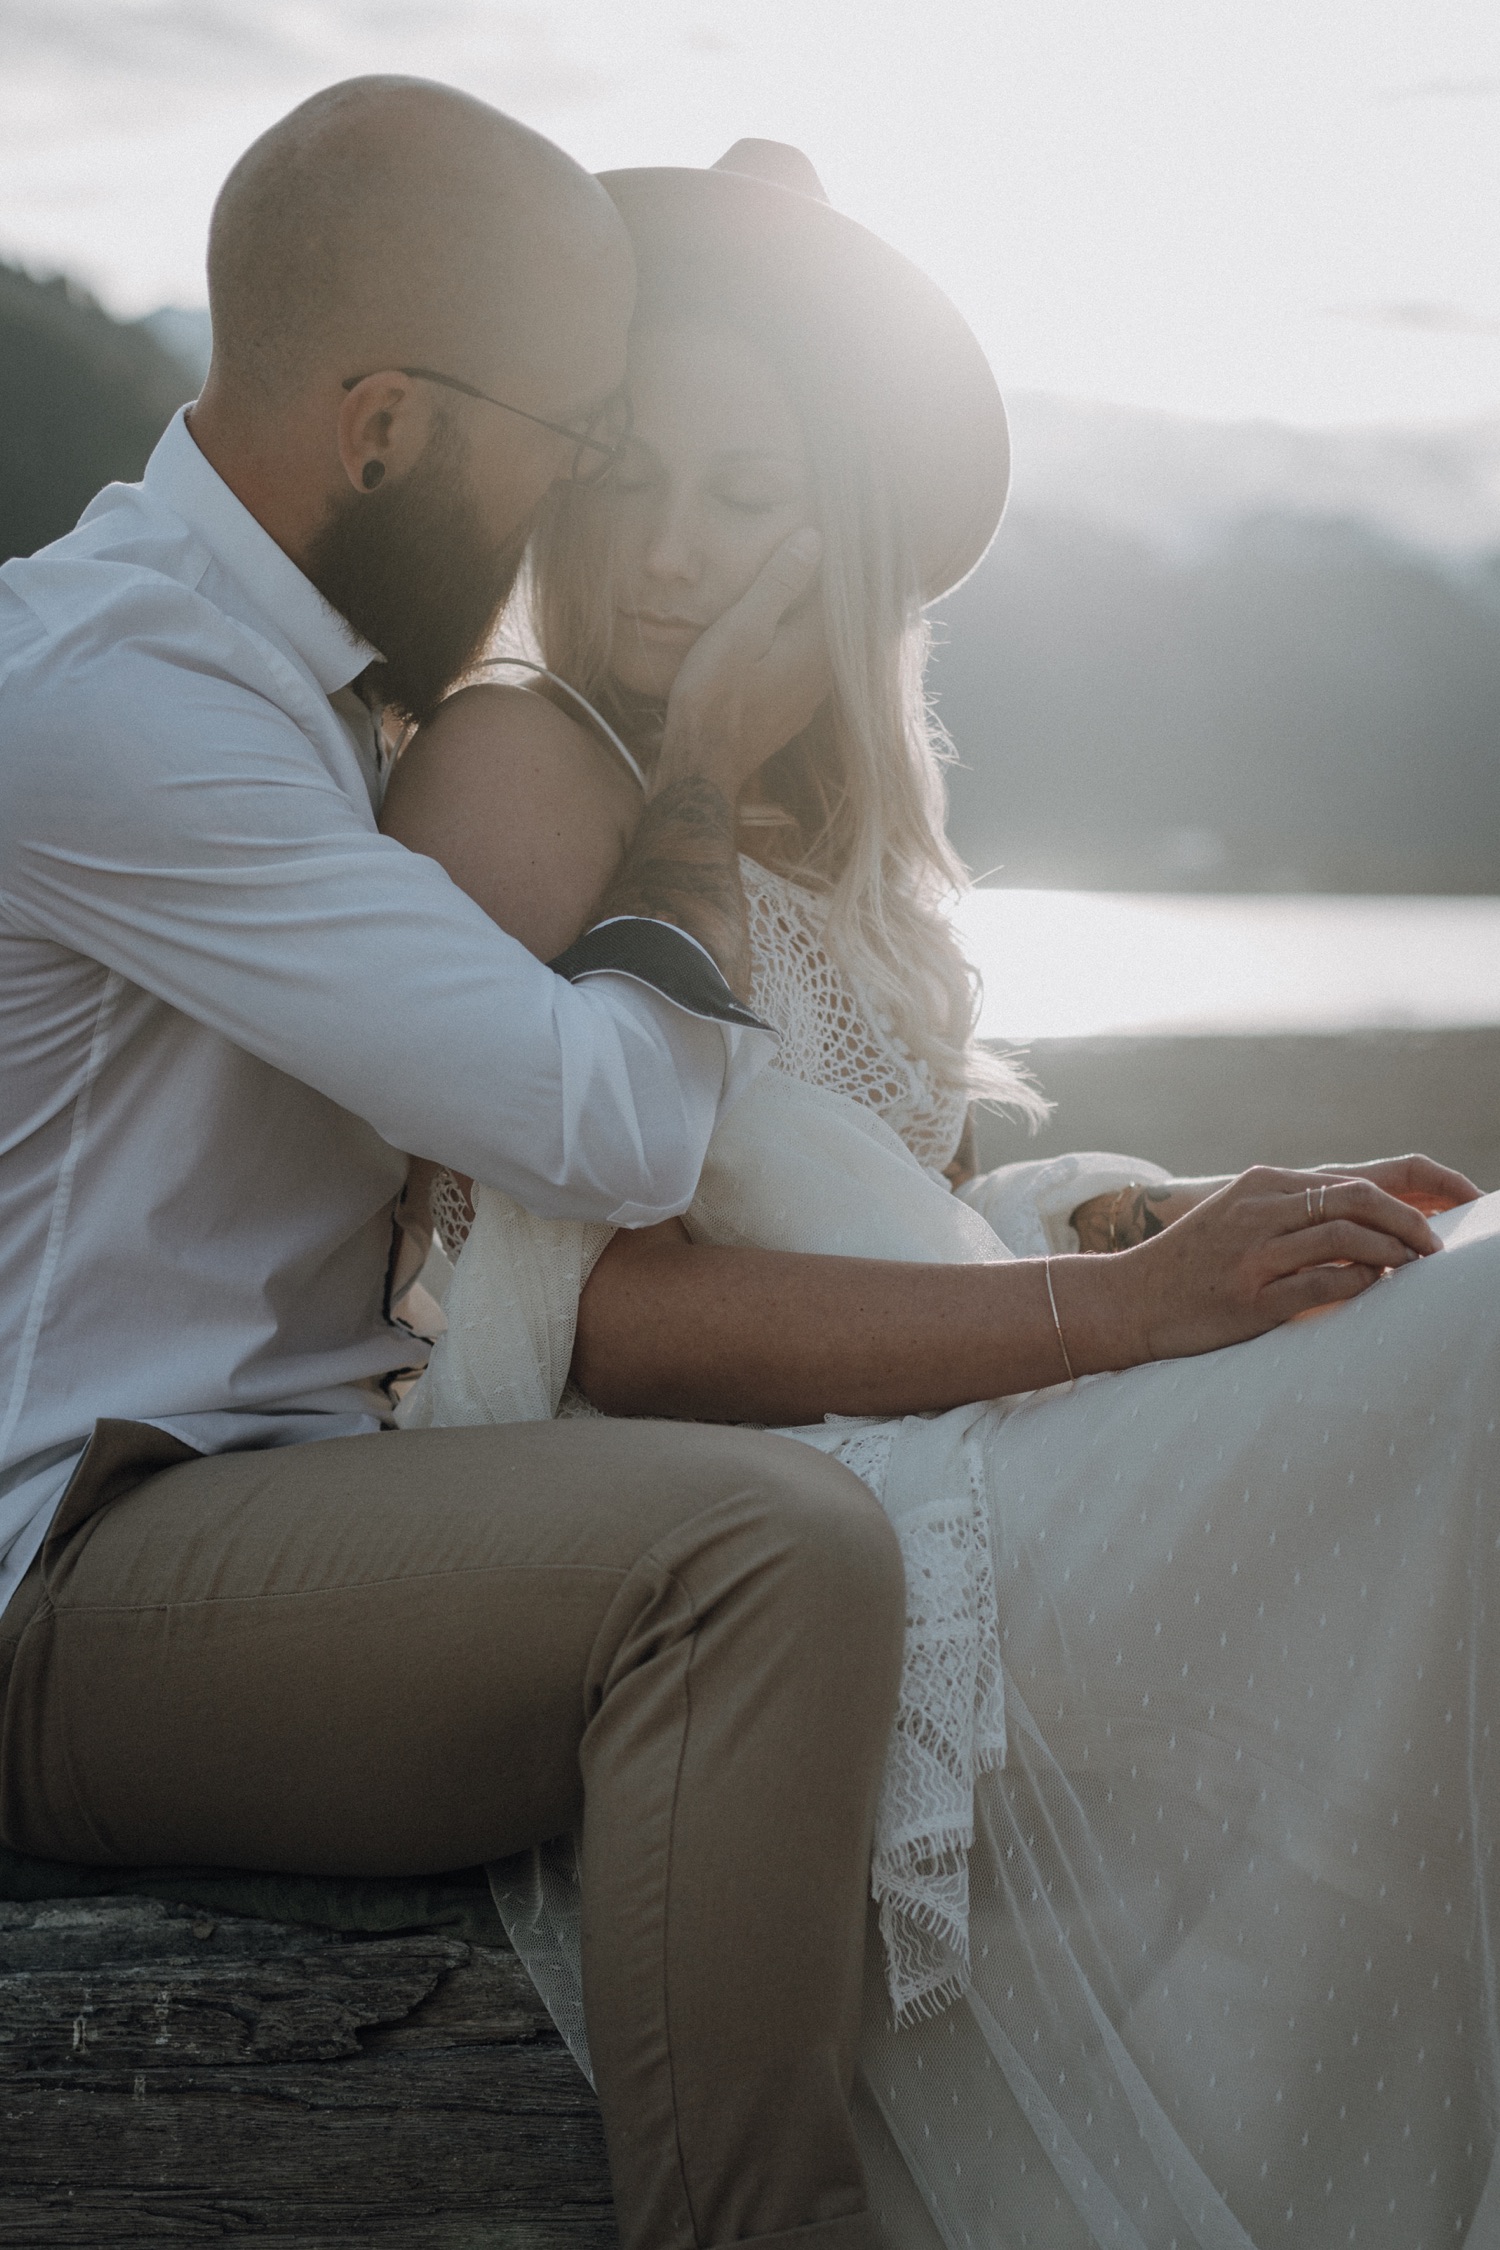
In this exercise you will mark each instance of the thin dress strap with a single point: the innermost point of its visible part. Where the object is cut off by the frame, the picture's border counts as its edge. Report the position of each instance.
(525, 664)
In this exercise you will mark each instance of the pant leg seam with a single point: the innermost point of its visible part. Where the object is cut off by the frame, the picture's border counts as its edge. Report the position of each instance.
(343, 1586)
(666, 1981)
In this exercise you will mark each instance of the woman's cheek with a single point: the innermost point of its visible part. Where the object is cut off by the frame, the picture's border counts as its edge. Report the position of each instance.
(626, 541)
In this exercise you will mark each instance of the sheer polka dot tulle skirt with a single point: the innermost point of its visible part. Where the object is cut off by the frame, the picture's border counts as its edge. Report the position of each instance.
(1233, 1895)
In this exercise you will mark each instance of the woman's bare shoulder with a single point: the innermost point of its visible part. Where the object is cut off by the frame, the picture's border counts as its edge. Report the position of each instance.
(488, 749)
(524, 808)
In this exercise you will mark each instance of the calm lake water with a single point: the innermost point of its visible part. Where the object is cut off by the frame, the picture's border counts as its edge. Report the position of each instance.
(1068, 964)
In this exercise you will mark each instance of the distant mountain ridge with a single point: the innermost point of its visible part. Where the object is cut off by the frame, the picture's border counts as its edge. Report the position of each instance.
(1199, 656)
(1176, 484)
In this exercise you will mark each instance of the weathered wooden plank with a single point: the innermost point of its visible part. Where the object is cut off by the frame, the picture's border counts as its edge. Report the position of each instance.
(78, 2220)
(484, 2001)
(77, 1933)
(236, 2160)
(306, 2008)
(172, 2078)
(488, 1987)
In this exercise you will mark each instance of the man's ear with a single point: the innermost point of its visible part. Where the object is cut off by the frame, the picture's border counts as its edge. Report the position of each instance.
(384, 423)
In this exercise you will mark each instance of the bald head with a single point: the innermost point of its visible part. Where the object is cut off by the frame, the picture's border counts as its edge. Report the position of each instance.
(389, 222)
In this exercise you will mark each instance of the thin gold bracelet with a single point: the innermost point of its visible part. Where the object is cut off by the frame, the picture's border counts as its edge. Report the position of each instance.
(1062, 1341)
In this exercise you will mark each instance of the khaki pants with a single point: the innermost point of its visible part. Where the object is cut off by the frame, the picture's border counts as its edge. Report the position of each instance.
(408, 1653)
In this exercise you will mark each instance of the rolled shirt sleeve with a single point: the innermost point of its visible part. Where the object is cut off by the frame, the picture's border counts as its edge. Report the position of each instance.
(211, 860)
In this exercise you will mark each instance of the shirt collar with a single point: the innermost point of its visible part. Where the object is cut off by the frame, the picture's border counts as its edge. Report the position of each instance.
(180, 477)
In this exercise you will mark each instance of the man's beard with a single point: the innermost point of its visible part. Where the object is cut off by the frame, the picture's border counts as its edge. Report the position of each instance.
(413, 570)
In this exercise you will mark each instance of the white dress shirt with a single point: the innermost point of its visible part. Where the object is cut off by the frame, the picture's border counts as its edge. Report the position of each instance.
(228, 1005)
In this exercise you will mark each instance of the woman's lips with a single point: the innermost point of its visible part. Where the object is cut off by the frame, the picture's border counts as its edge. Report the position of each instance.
(659, 625)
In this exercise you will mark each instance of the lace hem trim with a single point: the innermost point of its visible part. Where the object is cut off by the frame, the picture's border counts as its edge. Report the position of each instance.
(949, 1728)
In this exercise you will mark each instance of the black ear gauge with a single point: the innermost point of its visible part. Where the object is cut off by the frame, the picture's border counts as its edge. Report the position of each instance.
(371, 474)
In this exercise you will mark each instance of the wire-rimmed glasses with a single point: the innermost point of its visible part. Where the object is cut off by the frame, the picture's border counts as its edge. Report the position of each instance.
(597, 447)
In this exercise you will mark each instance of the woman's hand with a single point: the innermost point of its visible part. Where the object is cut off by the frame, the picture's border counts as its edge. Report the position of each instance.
(1252, 1254)
(1132, 1214)
(1417, 1180)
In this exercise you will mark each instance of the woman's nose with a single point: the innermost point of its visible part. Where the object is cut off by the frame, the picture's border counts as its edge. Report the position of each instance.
(674, 548)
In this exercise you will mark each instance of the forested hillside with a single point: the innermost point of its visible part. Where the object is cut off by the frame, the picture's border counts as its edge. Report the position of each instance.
(83, 399)
(1297, 705)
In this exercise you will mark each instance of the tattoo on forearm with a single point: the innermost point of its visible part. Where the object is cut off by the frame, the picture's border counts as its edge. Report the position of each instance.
(1121, 1220)
(682, 867)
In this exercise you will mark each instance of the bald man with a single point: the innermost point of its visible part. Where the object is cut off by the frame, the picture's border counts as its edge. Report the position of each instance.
(242, 1621)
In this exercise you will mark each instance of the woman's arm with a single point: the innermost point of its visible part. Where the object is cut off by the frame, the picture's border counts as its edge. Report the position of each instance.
(673, 1327)
(528, 813)
(530, 817)
(669, 1326)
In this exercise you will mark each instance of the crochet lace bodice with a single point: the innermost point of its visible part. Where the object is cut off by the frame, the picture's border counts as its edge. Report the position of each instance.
(830, 1036)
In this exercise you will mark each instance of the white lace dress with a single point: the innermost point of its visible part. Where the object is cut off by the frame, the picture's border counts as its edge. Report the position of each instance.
(1185, 1864)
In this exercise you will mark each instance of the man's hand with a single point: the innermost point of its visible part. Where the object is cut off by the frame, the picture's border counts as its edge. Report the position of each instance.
(753, 680)
(748, 685)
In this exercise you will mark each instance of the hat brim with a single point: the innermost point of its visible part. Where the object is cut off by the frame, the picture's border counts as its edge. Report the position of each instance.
(904, 353)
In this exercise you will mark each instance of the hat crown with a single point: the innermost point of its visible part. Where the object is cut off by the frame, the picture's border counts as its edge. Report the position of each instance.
(776, 162)
(755, 239)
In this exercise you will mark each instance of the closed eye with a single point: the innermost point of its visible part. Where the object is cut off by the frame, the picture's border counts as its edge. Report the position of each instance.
(757, 495)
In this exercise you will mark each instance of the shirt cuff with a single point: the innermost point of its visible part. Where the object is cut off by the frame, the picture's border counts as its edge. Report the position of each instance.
(661, 956)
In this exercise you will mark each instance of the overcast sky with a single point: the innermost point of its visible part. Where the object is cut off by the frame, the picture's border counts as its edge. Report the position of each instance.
(1287, 208)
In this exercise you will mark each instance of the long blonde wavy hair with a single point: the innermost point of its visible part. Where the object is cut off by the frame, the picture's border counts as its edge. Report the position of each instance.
(857, 802)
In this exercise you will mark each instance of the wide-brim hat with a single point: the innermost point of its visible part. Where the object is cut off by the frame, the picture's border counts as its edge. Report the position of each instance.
(756, 237)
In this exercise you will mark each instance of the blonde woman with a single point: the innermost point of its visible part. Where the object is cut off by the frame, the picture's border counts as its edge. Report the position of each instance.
(1183, 1866)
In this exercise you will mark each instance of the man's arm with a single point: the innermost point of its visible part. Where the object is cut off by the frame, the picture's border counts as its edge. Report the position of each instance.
(682, 868)
(179, 828)
(746, 687)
